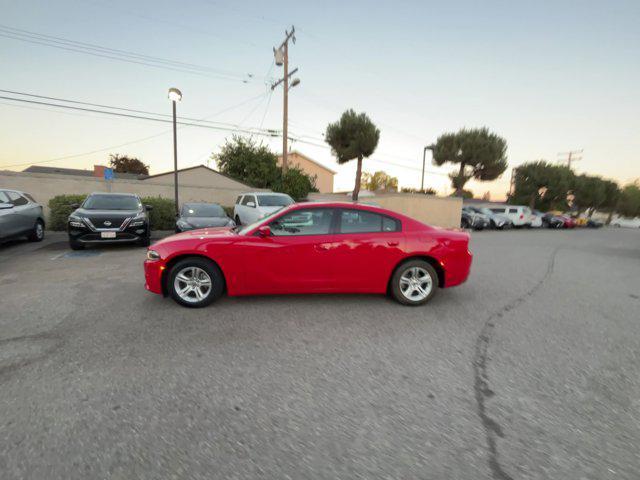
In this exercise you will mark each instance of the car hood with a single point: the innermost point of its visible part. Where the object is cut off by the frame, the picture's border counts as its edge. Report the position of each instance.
(222, 233)
(81, 212)
(203, 222)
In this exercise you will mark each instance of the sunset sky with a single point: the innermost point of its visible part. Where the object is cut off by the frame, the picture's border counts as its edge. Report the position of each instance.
(547, 76)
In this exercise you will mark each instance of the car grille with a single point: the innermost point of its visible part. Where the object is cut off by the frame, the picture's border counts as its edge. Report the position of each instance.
(111, 222)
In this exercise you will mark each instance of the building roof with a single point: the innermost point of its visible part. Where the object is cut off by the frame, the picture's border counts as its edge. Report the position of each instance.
(170, 172)
(77, 172)
(295, 152)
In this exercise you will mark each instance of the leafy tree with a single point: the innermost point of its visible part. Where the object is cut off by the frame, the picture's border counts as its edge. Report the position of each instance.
(246, 161)
(426, 191)
(541, 185)
(126, 164)
(295, 183)
(379, 181)
(254, 164)
(629, 204)
(354, 136)
(594, 193)
(480, 154)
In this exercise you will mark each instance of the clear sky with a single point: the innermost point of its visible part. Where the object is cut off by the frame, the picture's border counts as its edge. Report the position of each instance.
(548, 76)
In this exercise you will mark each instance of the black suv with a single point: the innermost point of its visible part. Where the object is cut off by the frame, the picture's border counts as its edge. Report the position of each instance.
(109, 218)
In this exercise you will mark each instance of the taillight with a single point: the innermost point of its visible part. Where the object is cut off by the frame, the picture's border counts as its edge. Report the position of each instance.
(521, 216)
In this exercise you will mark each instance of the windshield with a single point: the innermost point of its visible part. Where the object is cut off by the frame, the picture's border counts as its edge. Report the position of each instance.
(274, 200)
(203, 210)
(111, 202)
(251, 226)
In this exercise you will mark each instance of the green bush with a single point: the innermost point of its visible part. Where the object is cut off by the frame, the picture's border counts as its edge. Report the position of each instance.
(60, 207)
(163, 215)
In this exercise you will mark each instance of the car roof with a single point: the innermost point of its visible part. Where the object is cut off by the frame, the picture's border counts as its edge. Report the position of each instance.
(115, 194)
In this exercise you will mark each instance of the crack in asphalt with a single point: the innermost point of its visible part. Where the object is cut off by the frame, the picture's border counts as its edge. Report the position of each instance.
(482, 392)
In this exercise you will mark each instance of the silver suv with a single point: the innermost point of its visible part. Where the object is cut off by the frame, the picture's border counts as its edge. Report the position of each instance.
(20, 216)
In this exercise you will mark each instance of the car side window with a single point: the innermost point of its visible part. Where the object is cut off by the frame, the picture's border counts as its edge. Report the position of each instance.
(247, 199)
(362, 221)
(313, 221)
(17, 200)
(513, 210)
(498, 210)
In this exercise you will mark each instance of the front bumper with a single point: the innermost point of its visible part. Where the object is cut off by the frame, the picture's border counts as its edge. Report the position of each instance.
(153, 270)
(128, 235)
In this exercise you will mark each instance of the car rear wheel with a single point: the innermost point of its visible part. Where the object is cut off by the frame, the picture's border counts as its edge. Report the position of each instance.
(195, 282)
(37, 235)
(414, 283)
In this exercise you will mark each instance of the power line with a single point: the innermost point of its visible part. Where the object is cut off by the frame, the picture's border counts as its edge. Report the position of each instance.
(120, 55)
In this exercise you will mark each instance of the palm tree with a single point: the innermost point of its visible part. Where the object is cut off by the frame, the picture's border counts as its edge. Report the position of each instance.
(353, 136)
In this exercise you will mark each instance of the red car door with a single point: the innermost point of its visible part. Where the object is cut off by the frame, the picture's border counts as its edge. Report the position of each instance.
(366, 248)
(295, 258)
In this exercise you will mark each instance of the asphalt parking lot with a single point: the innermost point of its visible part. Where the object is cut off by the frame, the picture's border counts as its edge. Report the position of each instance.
(528, 371)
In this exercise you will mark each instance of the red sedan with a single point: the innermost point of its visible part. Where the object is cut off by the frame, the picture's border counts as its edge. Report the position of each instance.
(311, 248)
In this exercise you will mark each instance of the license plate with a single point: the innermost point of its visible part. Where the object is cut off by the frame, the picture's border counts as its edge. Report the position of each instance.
(107, 234)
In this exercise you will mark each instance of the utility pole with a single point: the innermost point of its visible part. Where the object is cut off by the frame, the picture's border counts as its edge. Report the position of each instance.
(282, 58)
(571, 156)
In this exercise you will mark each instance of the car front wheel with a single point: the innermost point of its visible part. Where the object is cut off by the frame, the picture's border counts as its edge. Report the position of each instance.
(414, 283)
(195, 282)
(37, 234)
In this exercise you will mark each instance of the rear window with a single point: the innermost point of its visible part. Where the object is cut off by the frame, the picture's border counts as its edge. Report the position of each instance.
(203, 210)
(31, 199)
(274, 200)
(238, 199)
(362, 221)
(112, 202)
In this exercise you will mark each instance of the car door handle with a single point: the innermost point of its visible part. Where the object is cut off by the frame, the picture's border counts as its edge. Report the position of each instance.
(393, 244)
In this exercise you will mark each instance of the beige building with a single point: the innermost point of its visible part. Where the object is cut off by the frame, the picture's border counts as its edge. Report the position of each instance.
(322, 174)
(196, 184)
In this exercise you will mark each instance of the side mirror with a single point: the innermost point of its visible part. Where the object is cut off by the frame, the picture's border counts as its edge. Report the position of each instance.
(6, 206)
(264, 231)
(251, 204)
(75, 206)
(148, 208)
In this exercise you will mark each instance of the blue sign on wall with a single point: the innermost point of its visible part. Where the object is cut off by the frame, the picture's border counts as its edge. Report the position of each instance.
(108, 173)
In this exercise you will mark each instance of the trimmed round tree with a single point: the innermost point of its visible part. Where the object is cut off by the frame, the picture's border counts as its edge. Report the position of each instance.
(479, 153)
(354, 136)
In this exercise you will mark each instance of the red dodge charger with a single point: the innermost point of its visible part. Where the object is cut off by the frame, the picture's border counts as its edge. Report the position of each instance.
(311, 248)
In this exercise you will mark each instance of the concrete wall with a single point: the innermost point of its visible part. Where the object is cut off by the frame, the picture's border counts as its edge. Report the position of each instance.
(437, 211)
(43, 187)
(324, 178)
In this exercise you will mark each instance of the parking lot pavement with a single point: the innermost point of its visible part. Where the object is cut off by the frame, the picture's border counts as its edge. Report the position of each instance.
(529, 370)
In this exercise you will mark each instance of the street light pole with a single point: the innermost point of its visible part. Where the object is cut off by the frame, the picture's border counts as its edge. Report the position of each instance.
(424, 158)
(175, 96)
(282, 58)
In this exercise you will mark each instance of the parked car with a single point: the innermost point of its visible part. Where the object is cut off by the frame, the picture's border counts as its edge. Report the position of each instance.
(467, 220)
(591, 223)
(626, 222)
(569, 222)
(536, 219)
(20, 216)
(202, 215)
(479, 220)
(549, 220)
(329, 247)
(109, 218)
(251, 207)
(496, 220)
(519, 215)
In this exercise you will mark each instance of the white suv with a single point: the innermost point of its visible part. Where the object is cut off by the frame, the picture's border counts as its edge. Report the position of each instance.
(251, 207)
(519, 215)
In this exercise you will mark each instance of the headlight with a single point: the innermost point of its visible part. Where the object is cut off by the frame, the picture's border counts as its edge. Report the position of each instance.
(75, 221)
(138, 220)
(153, 255)
(183, 225)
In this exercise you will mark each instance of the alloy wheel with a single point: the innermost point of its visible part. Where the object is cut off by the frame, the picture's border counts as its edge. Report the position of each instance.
(192, 284)
(416, 284)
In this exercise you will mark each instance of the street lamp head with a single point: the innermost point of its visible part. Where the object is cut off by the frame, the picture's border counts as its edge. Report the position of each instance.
(175, 95)
(294, 82)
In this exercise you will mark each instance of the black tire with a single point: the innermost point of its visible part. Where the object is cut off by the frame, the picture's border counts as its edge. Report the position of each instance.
(37, 235)
(75, 245)
(396, 291)
(211, 269)
(237, 220)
